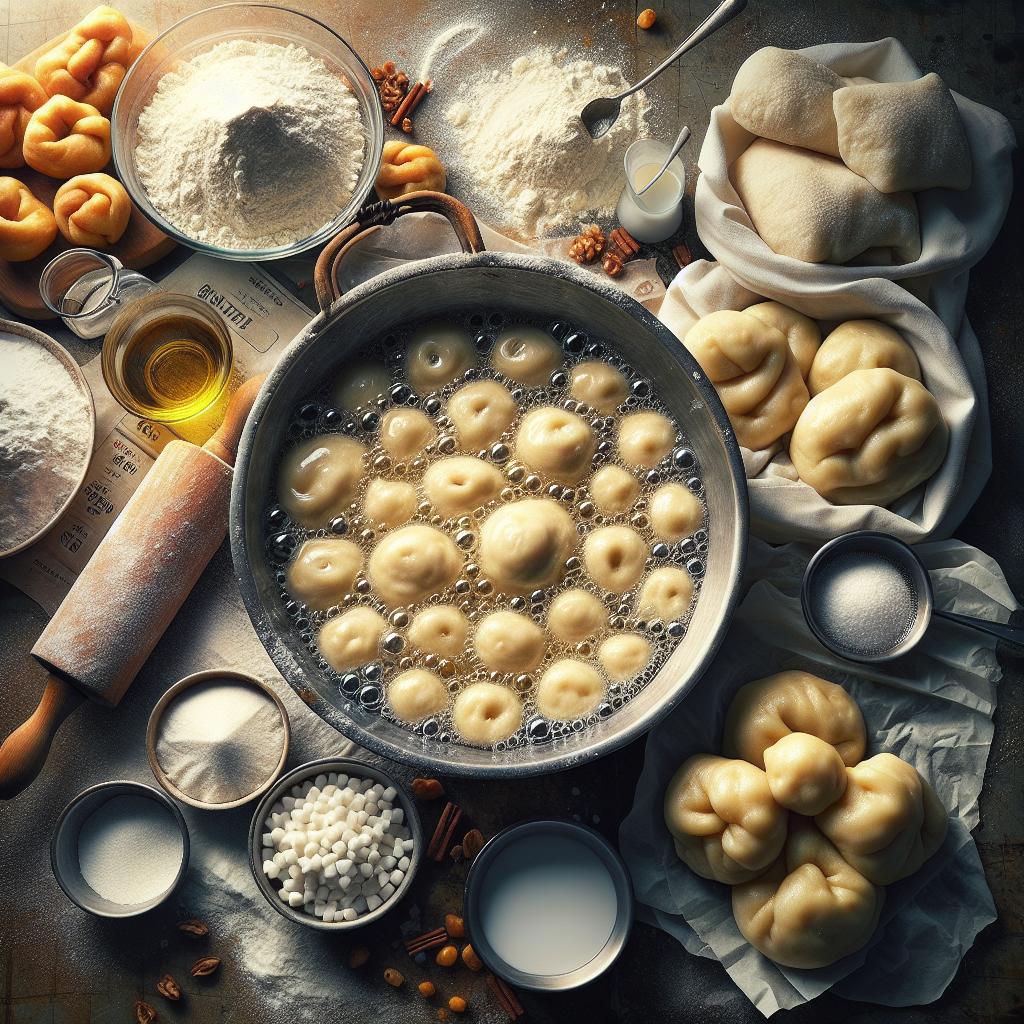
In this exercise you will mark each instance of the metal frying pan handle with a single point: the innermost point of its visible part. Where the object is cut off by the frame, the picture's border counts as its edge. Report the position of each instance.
(375, 216)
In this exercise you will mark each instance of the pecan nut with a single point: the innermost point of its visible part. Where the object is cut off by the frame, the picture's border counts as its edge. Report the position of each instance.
(205, 966)
(194, 927)
(144, 1013)
(612, 264)
(169, 988)
(427, 789)
(682, 254)
(472, 843)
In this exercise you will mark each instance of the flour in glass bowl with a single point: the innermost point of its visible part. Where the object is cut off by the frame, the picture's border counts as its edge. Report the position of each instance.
(523, 144)
(251, 145)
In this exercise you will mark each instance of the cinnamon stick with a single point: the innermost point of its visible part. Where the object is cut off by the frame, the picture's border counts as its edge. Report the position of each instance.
(444, 832)
(506, 997)
(409, 103)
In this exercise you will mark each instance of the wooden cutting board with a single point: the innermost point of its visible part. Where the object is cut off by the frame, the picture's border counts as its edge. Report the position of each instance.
(140, 245)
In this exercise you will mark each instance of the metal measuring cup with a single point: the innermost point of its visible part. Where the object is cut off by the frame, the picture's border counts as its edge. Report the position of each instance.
(869, 544)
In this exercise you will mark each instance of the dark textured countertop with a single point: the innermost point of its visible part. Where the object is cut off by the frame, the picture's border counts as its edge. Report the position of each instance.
(57, 967)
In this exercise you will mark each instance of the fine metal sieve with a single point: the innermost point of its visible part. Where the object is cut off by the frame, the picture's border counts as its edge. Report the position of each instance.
(527, 286)
(870, 545)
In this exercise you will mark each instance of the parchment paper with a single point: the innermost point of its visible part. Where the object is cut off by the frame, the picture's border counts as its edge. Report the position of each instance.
(933, 708)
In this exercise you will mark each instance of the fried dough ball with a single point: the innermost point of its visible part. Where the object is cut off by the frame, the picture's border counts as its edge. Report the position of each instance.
(438, 354)
(481, 412)
(675, 512)
(645, 438)
(576, 615)
(526, 355)
(318, 479)
(486, 713)
(412, 563)
(27, 226)
(461, 484)
(624, 655)
(509, 642)
(614, 557)
(64, 138)
(92, 210)
(323, 571)
(556, 443)
(352, 638)
(20, 96)
(360, 385)
(406, 167)
(614, 490)
(389, 503)
(404, 433)
(90, 63)
(598, 385)
(524, 545)
(439, 629)
(416, 694)
(569, 689)
(666, 594)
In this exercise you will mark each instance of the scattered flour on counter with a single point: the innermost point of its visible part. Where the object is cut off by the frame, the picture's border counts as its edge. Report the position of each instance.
(523, 143)
(251, 145)
(44, 438)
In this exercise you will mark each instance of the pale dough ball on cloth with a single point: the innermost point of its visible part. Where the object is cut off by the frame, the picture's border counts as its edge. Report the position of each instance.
(803, 335)
(861, 345)
(805, 774)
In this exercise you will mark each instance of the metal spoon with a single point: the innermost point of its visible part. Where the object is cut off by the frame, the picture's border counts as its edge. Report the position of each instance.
(881, 546)
(683, 138)
(600, 114)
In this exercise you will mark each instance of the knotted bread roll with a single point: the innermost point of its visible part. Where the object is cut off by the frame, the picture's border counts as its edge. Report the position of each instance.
(803, 335)
(861, 345)
(92, 210)
(406, 167)
(64, 138)
(20, 96)
(90, 62)
(27, 226)
(869, 438)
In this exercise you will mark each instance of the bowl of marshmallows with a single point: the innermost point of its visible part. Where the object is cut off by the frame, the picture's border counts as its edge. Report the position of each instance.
(335, 844)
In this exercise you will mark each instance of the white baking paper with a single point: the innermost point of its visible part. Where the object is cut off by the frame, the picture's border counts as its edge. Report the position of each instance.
(933, 708)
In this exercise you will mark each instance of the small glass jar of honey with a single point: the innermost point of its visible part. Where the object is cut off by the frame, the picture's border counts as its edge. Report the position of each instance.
(167, 357)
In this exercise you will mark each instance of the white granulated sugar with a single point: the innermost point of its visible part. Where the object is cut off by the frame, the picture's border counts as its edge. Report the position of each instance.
(220, 740)
(524, 146)
(44, 438)
(129, 849)
(864, 603)
(251, 145)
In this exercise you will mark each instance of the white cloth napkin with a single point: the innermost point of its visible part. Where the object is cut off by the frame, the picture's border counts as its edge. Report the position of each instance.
(933, 708)
(957, 229)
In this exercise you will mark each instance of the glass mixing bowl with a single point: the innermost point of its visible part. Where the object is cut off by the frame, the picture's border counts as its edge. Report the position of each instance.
(199, 32)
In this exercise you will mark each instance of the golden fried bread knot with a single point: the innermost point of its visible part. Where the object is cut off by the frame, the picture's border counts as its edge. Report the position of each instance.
(90, 62)
(65, 138)
(92, 210)
(408, 168)
(20, 95)
(27, 226)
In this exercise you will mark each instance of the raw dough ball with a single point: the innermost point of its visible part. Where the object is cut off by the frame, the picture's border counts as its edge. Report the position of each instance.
(813, 208)
(481, 412)
(413, 563)
(786, 96)
(351, 639)
(92, 210)
(666, 594)
(556, 443)
(869, 438)
(404, 433)
(576, 615)
(417, 694)
(507, 642)
(360, 385)
(64, 138)
(598, 385)
(438, 353)
(764, 711)
(614, 557)
(624, 655)
(323, 571)
(803, 335)
(406, 167)
(888, 822)
(389, 503)
(526, 355)
(861, 345)
(811, 908)
(486, 713)
(20, 95)
(318, 479)
(27, 227)
(675, 512)
(524, 545)
(569, 689)
(723, 819)
(614, 490)
(440, 629)
(903, 136)
(805, 773)
(645, 438)
(754, 372)
(461, 484)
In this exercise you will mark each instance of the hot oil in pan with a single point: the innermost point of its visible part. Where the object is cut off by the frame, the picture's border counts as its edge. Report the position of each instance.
(473, 593)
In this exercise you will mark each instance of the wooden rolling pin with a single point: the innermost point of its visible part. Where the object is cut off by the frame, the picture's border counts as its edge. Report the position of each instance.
(131, 589)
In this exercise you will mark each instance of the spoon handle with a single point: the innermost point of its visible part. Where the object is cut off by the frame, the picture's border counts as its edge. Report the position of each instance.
(725, 11)
(681, 140)
(1011, 634)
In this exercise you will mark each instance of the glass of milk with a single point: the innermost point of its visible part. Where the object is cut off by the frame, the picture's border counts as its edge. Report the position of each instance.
(657, 214)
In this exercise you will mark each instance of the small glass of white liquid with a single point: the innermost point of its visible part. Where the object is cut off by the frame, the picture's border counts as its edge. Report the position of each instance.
(657, 214)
